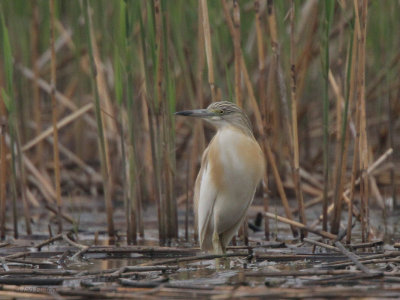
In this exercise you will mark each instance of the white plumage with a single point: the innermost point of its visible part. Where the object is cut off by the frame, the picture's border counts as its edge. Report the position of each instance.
(231, 168)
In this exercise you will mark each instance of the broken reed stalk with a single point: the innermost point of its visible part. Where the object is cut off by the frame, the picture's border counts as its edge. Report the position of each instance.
(36, 93)
(295, 134)
(329, 10)
(101, 138)
(56, 153)
(322, 233)
(262, 99)
(63, 122)
(363, 144)
(208, 47)
(370, 169)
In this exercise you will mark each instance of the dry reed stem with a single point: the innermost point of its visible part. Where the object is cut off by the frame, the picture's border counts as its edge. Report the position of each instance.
(101, 137)
(3, 161)
(3, 169)
(261, 89)
(169, 204)
(32, 199)
(278, 68)
(391, 116)
(355, 164)
(56, 154)
(363, 143)
(345, 194)
(295, 135)
(260, 52)
(36, 92)
(148, 163)
(271, 160)
(22, 185)
(237, 53)
(208, 47)
(198, 137)
(158, 45)
(354, 258)
(156, 126)
(47, 187)
(62, 123)
(308, 13)
(95, 176)
(342, 159)
(108, 124)
(292, 223)
(65, 101)
(148, 149)
(61, 41)
(339, 103)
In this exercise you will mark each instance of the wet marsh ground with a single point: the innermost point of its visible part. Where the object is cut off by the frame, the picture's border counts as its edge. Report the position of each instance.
(284, 267)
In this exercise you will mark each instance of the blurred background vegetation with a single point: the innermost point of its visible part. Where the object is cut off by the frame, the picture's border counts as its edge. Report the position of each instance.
(120, 69)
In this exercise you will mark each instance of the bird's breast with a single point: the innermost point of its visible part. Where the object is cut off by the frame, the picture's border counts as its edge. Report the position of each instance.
(236, 159)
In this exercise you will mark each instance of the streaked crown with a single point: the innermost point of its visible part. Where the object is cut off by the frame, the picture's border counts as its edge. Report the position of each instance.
(229, 112)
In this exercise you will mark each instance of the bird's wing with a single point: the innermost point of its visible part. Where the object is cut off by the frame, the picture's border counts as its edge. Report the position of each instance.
(204, 198)
(204, 161)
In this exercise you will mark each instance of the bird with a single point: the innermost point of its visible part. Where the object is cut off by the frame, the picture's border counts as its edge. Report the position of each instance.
(232, 165)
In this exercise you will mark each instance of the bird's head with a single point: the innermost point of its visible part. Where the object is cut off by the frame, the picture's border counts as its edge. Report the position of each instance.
(220, 114)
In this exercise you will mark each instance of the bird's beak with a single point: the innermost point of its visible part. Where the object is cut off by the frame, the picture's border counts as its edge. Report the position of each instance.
(200, 113)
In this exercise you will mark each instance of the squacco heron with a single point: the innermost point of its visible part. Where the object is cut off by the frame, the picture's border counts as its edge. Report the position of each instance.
(231, 168)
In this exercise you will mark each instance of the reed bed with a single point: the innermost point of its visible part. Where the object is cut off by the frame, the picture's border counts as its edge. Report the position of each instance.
(89, 90)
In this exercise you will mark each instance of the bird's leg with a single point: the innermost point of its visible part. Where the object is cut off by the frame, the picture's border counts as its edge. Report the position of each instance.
(221, 241)
(217, 245)
(225, 260)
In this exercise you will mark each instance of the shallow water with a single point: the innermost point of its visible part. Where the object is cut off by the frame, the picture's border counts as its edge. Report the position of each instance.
(205, 276)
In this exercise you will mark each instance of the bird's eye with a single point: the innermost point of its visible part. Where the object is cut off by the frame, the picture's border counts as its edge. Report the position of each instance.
(220, 111)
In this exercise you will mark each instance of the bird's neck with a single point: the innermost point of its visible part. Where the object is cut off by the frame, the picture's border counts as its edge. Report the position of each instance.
(238, 128)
